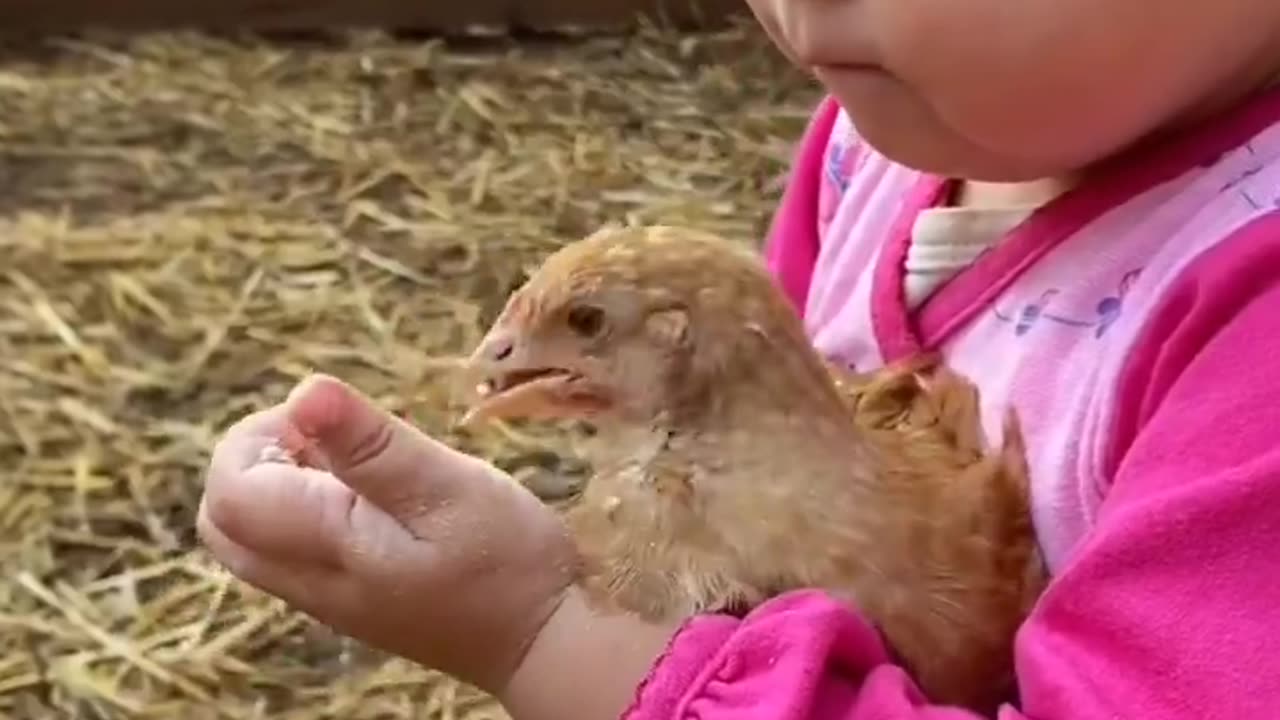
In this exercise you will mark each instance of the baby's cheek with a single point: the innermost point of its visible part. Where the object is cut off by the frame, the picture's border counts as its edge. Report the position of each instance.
(1066, 82)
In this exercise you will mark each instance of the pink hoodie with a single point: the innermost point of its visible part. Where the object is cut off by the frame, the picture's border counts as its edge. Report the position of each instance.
(1135, 325)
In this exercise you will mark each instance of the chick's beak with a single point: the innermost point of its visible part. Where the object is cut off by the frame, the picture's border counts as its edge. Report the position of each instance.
(515, 381)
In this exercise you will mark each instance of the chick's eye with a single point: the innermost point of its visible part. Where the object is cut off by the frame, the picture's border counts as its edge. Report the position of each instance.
(586, 320)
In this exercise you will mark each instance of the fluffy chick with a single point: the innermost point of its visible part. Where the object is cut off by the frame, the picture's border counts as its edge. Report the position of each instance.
(732, 463)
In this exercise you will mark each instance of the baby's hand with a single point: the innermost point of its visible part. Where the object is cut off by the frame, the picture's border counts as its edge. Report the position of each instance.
(384, 534)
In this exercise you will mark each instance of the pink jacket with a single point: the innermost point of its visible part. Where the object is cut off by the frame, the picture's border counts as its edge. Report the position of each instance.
(1135, 325)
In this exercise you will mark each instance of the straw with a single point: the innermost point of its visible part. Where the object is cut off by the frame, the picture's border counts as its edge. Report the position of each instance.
(189, 224)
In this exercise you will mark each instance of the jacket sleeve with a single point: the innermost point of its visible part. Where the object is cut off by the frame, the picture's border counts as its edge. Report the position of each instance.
(791, 248)
(1167, 610)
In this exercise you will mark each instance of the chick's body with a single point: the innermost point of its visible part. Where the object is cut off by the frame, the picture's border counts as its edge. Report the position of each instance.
(732, 463)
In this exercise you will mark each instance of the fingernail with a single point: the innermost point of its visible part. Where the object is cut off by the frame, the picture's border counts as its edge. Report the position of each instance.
(313, 414)
(301, 450)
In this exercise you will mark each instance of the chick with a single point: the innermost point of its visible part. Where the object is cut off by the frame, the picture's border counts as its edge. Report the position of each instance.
(733, 463)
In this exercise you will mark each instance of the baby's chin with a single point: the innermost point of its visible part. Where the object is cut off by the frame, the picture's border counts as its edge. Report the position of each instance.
(898, 124)
(941, 152)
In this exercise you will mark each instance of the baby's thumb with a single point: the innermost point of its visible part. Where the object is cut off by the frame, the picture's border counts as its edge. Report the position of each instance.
(380, 457)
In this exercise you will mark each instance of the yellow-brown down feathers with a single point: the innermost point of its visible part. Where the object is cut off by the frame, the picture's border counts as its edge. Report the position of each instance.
(692, 290)
(733, 463)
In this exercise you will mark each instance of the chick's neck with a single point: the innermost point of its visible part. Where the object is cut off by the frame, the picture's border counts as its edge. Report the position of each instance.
(762, 364)
(754, 393)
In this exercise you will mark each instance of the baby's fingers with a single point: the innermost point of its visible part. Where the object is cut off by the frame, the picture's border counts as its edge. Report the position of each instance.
(385, 460)
(241, 447)
(320, 592)
(291, 514)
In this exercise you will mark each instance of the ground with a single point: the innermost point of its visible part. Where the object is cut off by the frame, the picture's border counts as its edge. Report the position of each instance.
(189, 225)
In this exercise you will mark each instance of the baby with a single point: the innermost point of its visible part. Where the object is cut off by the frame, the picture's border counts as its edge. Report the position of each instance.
(1075, 203)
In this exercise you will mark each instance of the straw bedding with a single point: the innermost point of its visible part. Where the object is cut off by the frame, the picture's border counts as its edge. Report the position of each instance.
(190, 224)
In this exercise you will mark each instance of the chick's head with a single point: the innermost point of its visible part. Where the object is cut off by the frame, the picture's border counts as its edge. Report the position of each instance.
(627, 324)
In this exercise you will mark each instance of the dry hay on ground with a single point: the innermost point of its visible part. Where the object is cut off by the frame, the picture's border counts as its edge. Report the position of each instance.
(188, 225)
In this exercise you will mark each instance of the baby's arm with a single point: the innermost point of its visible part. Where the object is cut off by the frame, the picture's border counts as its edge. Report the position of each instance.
(583, 665)
(1167, 611)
